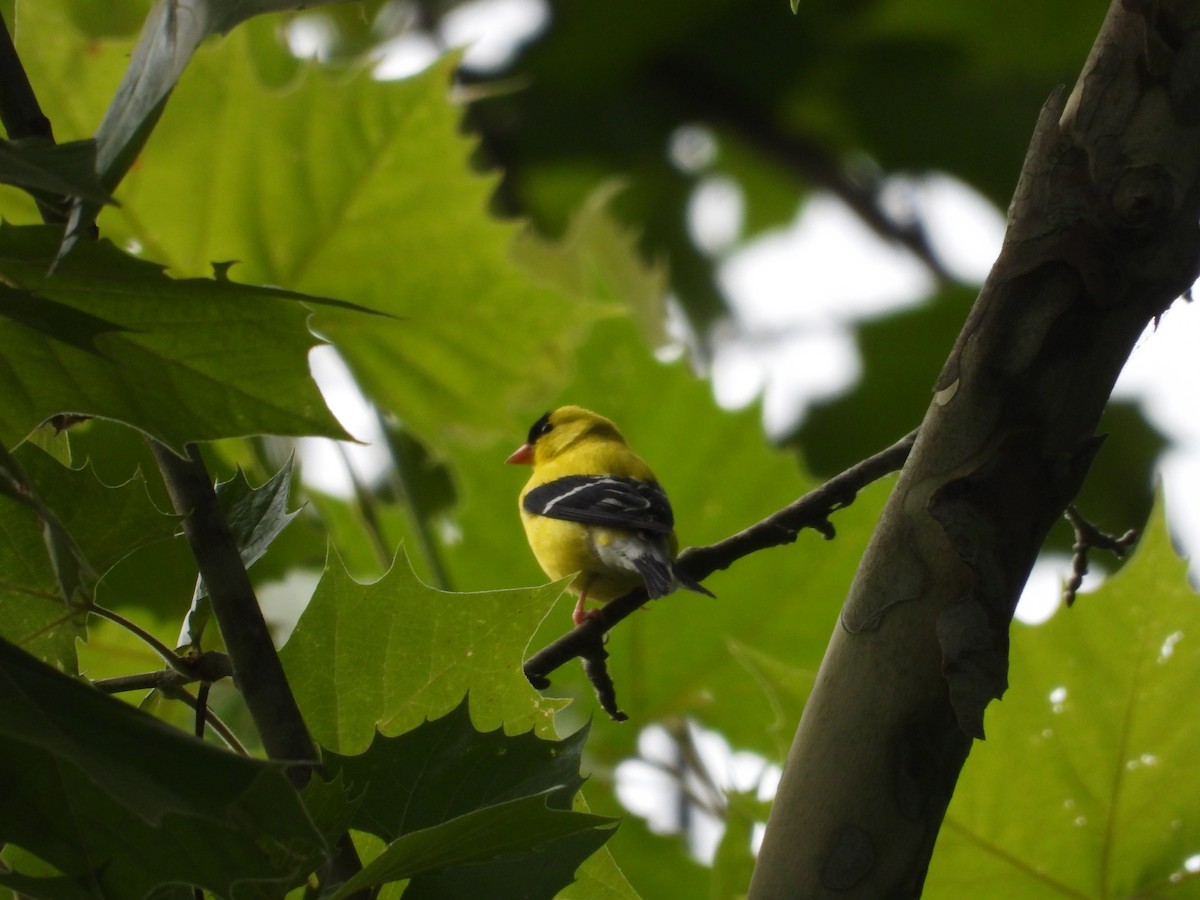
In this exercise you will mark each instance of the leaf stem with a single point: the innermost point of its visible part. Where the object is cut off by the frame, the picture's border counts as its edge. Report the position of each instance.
(217, 724)
(367, 509)
(172, 658)
(207, 667)
(405, 479)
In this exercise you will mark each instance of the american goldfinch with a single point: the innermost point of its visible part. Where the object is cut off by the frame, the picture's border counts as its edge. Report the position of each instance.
(594, 508)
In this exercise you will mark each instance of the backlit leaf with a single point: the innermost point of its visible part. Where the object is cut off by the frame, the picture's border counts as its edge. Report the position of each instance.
(181, 360)
(1085, 786)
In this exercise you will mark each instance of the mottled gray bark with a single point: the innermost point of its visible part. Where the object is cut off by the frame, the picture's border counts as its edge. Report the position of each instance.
(1102, 237)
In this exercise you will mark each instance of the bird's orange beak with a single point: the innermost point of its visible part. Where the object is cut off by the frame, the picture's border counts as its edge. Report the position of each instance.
(523, 454)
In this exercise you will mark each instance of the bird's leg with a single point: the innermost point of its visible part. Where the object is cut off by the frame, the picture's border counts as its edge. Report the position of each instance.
(580, 615)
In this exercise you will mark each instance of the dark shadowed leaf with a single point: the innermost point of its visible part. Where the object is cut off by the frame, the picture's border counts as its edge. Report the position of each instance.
(1091, 738)
(256, 516)
(439, 792)
(521, 828)
(67, 170)
(120, 811)
(445, 768)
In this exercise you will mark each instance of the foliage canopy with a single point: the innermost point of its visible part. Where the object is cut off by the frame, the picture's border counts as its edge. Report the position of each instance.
(276, 206)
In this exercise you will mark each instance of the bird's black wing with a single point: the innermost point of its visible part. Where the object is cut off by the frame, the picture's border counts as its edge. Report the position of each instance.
(604, 500)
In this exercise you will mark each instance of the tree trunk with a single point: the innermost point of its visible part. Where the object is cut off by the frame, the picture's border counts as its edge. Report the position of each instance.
(1102, 236)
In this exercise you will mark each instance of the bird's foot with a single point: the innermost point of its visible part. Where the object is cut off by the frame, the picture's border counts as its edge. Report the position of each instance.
(581, 615)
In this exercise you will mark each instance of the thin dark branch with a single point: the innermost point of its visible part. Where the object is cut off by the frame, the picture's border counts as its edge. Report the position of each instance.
(256, 666)
(143, 681)
(810, 511)
(205, 667)
(860, 194)
(701, 787)
(689, 796)
(201, 709)
(223, 731)
(169, 656)
(367, 509)
(1087, 538)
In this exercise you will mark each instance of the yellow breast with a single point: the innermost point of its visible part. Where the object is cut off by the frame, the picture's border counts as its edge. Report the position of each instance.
(564, 548)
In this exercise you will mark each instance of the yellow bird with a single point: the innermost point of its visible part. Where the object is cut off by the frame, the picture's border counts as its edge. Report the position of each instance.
(594, 509)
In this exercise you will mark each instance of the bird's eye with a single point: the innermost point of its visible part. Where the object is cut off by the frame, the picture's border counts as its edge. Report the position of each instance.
(540, 427)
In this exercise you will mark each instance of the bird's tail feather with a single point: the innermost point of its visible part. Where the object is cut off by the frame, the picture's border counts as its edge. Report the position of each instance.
(692, 584)
(661, 577)
(656, 573)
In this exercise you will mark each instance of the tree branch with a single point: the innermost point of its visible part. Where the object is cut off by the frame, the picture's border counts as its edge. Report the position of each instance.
(205, 714)
(254, 662)
(1103, 235)
(256, 667)
(207, 667)
(810, 511)
(1087, 538)
(169, 656)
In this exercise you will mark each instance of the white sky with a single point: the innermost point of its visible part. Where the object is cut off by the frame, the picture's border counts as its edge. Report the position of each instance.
(813, 279)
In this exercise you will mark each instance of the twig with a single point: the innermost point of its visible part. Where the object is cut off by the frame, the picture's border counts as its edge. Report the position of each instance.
(201, 709)
(173, 659)
(223, 731)
(1089, 537)
(404, 481)
(206, 667)
(707, 794)
(810, 511)
(596, 670)
(256, 666)
(366, 509)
